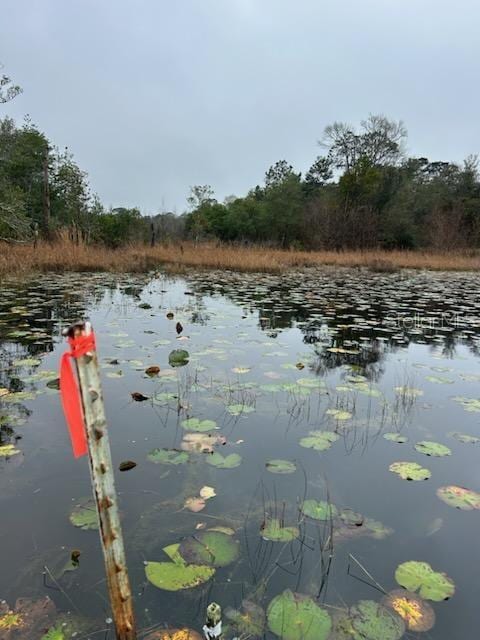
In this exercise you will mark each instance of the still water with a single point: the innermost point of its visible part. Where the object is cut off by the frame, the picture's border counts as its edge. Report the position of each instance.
(350, 355)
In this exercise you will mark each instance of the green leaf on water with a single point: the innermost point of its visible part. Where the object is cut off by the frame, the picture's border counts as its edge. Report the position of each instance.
(464, 438)
(434, 449)
(459, 497)
(439, 380)
(178, 358)
(84, 514)
(293, 616)
(224, 462)
(167, 456)
(319, 510)
(27, 362)
(274, 530)
(8, 450)
(395, 437)
(249, 621)
(319, 440)
(430, 584)
(339, 414)
(372, 621)
(281, 466)
(177, 575)
(239, 409)
(212, 548)
(194, 424)
(410, 471)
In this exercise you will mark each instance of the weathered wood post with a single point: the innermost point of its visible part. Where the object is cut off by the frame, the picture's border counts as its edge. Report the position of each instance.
(101, 471)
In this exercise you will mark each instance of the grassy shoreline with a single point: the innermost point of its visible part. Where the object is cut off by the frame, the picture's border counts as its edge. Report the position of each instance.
(66, 256)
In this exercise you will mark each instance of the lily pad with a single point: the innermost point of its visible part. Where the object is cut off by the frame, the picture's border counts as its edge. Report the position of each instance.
(177, 575)
(459, 497)
(239, 409)
(434, 449)
(395, 437)
(249, 621)
(8, 450)
(465, 438)
(194, 424)
(281, 466)
(174, 634)
(224, 462)
(212, 548)
(84, 514)
(178, 358)
(416, 613)
(293, 616)
(339, 414)
(430, 584)
(319, 440)
(275, 531)
(167, 456)
(410, 471)
(319, 510)
(372, 621)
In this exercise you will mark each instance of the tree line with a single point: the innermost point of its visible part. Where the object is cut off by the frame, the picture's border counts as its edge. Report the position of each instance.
(361, 192)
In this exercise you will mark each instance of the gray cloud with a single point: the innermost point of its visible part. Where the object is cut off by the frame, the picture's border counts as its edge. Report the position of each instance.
(153, 96)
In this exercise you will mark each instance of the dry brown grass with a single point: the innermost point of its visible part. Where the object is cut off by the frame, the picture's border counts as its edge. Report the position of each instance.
(66, 256)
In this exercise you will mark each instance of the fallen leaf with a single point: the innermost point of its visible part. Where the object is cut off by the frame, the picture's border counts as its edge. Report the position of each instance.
(207, 492)
(194, 504)
(138, 397)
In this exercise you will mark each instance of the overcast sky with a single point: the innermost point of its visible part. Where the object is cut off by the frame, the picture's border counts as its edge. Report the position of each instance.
(152, 96)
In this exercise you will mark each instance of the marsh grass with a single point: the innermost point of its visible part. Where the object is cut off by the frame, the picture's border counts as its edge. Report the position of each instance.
(64, 255)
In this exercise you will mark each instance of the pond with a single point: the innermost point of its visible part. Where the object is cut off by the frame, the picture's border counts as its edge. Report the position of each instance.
(321, 432)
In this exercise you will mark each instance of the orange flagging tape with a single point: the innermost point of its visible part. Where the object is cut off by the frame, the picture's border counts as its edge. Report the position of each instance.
(70, 393)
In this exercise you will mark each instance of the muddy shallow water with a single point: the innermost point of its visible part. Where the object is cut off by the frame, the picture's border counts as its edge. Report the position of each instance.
(347, 353)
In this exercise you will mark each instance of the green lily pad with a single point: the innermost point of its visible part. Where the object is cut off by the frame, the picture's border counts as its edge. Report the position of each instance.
(276, 532)
(439, 379)
(27, 362)
(372, 621)
(177, 575)
(465, 438)
(319, 510)
(249, 621)
(293, 616)
(178, 358)
(395, 437)
(281, 466)
(410, 471)
(224, 462)
(239, 409)
(416, 613)
(8, 450)
(420, 576)
(459, 497)
(194, 424)
(167, 456)
(408, 392)
(84, 514)
(319, 440)
(339, 414)
(212, 548)
(434, 449)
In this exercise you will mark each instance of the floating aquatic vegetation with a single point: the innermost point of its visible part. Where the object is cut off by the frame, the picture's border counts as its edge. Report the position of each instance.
(459, 497)
(167, 456)
(239, 409)
(434, 449)
(319, 440)
(201, 442)
(249, 621)
(195, 504)
(138, 397)
(152, 370)
(293, 616)
(319, 510)
(395, 437)
(174, 634)
(464, 438)
(372, 621)
(224, 462)
(416, 613)
(8, 450)
(241, 370)
(177, 574)
(439, 380)
(27, 362)
(410, 471)
(212, 548)
(351, 518)
(126, 465)
(275, 531)
(281, 466)
(194, 424)
(207, 492)
(84, 514)
(472, 405)
(408, 392)
(339, 414)
(27, 620)
(178, 358)
(419, 576)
